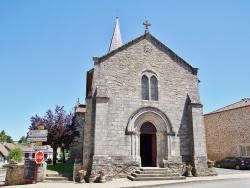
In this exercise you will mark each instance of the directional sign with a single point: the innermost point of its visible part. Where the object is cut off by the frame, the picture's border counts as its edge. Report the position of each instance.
(40, 127)
(39, 143)
(40, 147)
(41, 139)
(38, 133)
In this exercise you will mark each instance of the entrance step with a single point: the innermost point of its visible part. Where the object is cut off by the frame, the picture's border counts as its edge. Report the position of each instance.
(151, 174)
(56, 177)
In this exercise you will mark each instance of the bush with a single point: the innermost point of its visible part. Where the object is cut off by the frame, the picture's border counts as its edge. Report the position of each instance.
(5, 165)
(16, 154)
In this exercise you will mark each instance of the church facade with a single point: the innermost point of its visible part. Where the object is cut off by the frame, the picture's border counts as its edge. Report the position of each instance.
(142, 108)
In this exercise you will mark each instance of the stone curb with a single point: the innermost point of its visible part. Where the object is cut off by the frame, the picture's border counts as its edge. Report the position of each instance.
(124, 183)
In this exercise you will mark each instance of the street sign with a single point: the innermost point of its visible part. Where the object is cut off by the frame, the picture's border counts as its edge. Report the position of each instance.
(38, 133)
(39, 143)
(40, 147)
(39, 157)
(40, 127)
(41, 139)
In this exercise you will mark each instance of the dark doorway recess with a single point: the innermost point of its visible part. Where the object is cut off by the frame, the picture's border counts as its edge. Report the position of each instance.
(148, 145)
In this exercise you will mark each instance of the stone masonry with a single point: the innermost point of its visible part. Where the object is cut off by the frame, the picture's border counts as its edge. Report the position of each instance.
(115, 111)
(226, 130)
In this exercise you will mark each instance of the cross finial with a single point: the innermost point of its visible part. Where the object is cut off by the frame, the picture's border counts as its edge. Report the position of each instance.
(146, 23)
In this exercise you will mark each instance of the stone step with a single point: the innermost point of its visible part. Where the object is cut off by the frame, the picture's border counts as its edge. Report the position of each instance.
(57, 179)
(153, 169)
(52, 181)
(155, 175)
(58, 175)
(132, 178)
(154, 172)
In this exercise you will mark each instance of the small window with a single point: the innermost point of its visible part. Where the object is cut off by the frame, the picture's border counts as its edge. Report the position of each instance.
(245, 151)
(154, 88)
(145, 88)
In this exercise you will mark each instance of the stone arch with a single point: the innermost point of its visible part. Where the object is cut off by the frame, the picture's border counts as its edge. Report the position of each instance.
(149, 114)
(164, 131)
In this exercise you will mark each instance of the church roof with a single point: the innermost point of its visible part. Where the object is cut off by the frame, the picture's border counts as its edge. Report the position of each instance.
(151, 38)
(116, 41)
(242, 103)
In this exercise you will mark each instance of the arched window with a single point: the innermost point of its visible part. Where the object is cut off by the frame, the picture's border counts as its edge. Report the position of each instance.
(145, 88)
(153, 88)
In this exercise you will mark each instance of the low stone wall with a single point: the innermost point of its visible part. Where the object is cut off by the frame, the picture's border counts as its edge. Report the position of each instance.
(177, 167)
(114, 166)
(14, 174)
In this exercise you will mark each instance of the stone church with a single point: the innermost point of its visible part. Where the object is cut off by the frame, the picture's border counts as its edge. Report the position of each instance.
(143, 109)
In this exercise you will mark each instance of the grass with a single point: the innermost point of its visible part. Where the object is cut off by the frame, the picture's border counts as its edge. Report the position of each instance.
(61, 168)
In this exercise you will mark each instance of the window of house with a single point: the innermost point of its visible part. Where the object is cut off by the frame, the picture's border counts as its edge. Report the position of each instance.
(149, 93)
(245, 150)
(26, 155)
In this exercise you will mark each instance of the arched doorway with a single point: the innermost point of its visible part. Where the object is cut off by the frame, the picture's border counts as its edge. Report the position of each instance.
(148, 145)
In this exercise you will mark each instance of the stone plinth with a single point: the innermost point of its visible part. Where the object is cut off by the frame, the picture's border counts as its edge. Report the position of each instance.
(14, 174)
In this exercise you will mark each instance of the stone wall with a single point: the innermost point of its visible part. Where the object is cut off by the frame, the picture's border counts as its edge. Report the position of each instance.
(76, 147)
(14, 174)
(225, 131)
(115, 166)
(117, 91)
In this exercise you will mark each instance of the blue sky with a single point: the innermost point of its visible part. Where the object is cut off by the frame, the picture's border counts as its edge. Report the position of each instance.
(46, 48)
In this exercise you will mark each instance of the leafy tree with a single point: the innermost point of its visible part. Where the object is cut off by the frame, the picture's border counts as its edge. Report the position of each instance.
(23, 141)
(9, 139)
(16, 154)
(3, 136)
(60, 130)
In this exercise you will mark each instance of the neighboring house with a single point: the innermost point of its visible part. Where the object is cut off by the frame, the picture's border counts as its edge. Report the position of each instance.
(9, 146)
(3, 153)
(142, 108)
(29, 152)
(228, 130)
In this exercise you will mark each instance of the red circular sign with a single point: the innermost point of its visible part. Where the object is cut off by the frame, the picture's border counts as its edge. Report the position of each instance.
(39, 157)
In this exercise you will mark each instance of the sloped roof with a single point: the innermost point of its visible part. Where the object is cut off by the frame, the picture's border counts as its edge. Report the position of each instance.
(9, 146)
(116, 41)
(242, 103)
(3, 150)
(149, 37)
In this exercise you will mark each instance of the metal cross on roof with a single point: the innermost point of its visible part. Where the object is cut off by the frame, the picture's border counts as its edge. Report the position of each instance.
(146, 23)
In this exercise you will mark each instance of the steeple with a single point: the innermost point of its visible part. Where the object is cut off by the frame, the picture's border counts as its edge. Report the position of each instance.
(116, 41)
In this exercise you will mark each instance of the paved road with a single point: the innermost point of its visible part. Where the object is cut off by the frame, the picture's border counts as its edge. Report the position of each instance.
(222, 171)
(229, 183)
(2, 179)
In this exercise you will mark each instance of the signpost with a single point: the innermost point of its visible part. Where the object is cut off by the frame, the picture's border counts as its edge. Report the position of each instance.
(30, 168)
(38, 139)
(38, 133)
(39, 157)
(40, 147)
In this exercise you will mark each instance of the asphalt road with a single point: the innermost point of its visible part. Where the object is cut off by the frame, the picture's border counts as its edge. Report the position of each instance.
(2, 179)
(222, 171)
(230, 183)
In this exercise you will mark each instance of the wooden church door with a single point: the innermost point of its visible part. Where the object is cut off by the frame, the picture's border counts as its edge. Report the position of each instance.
(148, 150)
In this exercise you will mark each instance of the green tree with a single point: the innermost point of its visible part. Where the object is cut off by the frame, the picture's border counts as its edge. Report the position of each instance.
(9, 139)
(3, 136)
(23, 141)
(16, 154)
